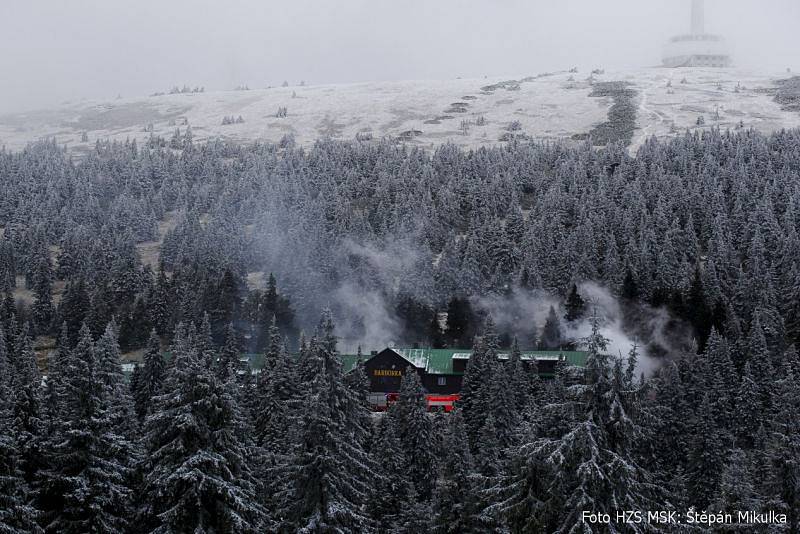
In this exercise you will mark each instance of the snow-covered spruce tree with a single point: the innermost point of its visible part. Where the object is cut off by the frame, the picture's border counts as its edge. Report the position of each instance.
(228, 364)
(307, 362)
(54, 385)
(519, 497)
(721, 378)
(748, 411)
(475, 395)
(737, 489)
(592, 467)
(575, 305)
(16, 514)
(475, 379)
(84, 485)
(488, 449)
(108, 371)
(761, 360)
(357, 379)
(28, 426)
(273, 396)
(413, 426)
(500, 399)
(151, 376)
(205, 343)
(73, 309)
(781, 481)
(197, 475)
(157, 302)
(358, 383)
(523, 378)
(394, 488)
(456, 504)
(330, 474)
(42, 309)
(707, 452)
(551, 337)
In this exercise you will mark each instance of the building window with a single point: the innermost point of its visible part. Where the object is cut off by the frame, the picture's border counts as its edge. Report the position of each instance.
(441, 381)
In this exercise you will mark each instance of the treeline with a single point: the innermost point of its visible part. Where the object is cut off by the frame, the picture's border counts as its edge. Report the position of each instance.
(195, 441)
(705, 225)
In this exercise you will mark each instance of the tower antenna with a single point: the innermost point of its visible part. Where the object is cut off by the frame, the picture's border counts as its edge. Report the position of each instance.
(697, 48)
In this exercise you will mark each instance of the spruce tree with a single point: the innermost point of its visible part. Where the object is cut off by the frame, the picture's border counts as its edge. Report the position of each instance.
(455, 504)
(197, 475)
(228, 364)
(460, 322)
(151, 376)
(108, 370)
(29, 424)
(489, 447)
(737, 489)
(73, 309)
(330, 473)
(593, 467)
(551, 337)
(16, 514)
(630, 290)
(781, 476)
(472, 399)
(575, 305)
(707, 454)
(523, 379)
(500, 400)
(84, 487)
(394, 487)
(42, 309)
(415, 432)
(749, 411)
(699, 312)
(273, 399)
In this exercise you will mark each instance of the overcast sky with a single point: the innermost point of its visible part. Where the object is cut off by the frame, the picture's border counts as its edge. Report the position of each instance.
(57, 50)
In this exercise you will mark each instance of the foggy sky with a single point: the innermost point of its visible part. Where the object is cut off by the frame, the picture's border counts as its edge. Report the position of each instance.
(55, 50)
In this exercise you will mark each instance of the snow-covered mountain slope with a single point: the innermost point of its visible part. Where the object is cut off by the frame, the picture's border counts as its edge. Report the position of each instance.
(468, 112)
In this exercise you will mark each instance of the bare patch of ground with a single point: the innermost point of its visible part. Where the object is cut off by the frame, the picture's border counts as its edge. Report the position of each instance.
(149, 251)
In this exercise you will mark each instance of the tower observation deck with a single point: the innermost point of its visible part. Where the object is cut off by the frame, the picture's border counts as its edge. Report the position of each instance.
(698, 48)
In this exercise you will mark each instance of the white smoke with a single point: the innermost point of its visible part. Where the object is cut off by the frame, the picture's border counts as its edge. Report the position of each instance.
(523, 312)
(363, 320)
(600, 302)
(365, 317)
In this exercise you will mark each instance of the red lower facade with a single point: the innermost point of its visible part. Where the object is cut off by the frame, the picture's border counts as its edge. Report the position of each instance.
(380, 402)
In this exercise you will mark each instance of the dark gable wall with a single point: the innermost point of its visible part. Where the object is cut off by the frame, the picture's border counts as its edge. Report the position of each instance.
(385, 371)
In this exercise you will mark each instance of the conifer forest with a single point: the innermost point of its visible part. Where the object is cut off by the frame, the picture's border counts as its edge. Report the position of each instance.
(175, 315)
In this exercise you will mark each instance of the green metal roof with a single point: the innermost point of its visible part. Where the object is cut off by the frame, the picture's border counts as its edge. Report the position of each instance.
(440, 361)
(349, 361)
(437, 361)
(256, 360)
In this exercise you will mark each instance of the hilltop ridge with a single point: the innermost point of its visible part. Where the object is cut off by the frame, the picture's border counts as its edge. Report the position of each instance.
(573, 106)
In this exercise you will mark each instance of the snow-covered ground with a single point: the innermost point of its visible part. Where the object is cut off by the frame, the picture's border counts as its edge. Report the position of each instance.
(426, 113)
